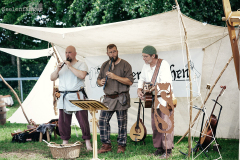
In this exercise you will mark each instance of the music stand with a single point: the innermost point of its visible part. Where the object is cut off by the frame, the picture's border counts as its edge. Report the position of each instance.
(92, 106)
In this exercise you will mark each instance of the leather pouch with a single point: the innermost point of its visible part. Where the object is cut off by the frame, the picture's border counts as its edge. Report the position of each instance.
(123, 99)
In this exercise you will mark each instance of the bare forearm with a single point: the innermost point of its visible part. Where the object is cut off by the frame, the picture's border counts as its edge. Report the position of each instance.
(54, 75)
(140, 93)
(78, 73)
(124, 80)
(139, 90)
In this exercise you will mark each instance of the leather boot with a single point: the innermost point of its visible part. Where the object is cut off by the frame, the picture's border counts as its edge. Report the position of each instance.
(105, 148)
(121, 149)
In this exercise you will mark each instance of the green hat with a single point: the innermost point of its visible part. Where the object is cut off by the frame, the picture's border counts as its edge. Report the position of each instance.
(149, 50)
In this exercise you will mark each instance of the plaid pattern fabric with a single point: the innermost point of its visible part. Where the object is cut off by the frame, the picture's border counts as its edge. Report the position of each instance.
(105, 128)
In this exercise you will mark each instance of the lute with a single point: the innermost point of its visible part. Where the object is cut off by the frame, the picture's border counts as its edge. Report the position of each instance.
(138, 131)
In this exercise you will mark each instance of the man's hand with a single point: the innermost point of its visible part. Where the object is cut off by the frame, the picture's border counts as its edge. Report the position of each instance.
(149, 89)
(101, 82)
(59, 66)
(140, 94)
(68, 64)
(54, 75)
(110, 75)
(123, 80)
(152, 89)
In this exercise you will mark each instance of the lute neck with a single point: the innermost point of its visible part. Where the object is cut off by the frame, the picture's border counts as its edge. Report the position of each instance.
(138, 117)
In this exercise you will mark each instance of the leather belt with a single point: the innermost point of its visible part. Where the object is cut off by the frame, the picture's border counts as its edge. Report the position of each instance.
(66, 92)
(113, 96)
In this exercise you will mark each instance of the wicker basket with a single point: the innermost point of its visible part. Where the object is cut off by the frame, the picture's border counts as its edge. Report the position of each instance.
(65, 150)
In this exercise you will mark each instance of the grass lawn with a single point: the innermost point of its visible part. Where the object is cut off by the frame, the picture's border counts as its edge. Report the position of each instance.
(39, 150)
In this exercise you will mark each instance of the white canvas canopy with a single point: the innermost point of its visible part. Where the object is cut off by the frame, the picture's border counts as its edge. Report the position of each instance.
(28, 54)
(161, 31)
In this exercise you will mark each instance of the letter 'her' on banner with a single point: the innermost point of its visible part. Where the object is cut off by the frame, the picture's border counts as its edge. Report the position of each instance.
(164, 89)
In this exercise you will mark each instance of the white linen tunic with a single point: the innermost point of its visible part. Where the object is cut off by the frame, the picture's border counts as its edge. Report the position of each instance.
(70, 82)
(164, 76)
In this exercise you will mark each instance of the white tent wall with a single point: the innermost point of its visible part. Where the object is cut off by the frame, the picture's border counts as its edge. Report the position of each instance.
(229, 120)
(228, 126)
(38, 105)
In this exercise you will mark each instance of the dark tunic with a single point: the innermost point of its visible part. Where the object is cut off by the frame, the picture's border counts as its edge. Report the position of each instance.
(122, 69)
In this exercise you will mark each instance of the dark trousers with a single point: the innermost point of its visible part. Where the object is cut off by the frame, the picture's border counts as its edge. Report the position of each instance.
(65, 120)
(159, 138)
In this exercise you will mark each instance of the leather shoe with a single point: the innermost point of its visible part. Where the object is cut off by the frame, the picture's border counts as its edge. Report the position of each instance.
(105, 148)
(121, 149)
(158, 152)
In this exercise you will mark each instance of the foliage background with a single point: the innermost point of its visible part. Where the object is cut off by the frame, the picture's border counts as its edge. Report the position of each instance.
(77, 13)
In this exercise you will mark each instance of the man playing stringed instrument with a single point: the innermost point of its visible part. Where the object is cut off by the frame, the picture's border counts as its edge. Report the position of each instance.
(162, 75)
(116, 87)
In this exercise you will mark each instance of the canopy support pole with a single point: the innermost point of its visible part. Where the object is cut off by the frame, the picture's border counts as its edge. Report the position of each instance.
(190, 81)
(230, 21)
